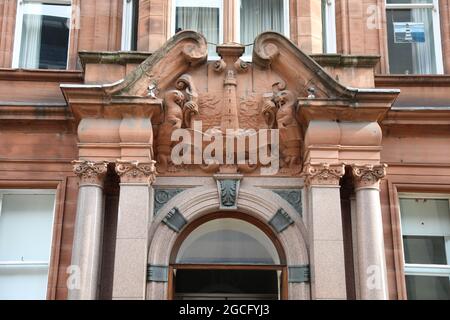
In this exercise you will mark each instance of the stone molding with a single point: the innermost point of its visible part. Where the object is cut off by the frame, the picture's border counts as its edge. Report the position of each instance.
(368, 176)
(136, 172)
(323, 174)
(90, 172)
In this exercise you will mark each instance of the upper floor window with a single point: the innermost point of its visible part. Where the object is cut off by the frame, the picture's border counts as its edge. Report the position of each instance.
(42, 34)
(26, 224)
(252, 18)
(414, 38)
(256, 16)
(426, 243)
(203, 16)
(329, 26)
(130, 25)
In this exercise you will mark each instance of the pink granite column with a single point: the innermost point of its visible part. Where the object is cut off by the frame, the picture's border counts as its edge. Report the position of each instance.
(326, 241)
(87, 243)
(371, 262)
(130, 261)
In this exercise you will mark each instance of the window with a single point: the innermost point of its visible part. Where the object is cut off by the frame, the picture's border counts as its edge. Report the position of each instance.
(426, 244)
(328, 26)
(130, 24)
(26, 222)
(256, 16)
(42, 34)
(203, 16)
(228, 241)
(414, 40)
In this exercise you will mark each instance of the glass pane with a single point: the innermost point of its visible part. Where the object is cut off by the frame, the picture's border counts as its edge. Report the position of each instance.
(258, 16)
(45, 36)
(23, 282)
(408, 1)
(226, 283)
(26, 227)
(228, 241)
(324, 26)
(411, 41)
(424, 250)
(203, 20)
(427, 288)
(425, 217)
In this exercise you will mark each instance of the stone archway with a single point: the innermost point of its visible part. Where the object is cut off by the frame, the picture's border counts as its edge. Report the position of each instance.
(255, 202)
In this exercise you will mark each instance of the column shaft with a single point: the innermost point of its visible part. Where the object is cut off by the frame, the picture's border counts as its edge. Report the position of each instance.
(326, 238)
(369, 232)
(88, 235)
(130, 260)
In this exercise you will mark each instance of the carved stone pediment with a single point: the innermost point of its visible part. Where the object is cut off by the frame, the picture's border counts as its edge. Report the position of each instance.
(179, 89)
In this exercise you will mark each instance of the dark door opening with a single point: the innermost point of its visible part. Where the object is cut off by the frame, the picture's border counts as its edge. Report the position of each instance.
(226, 284)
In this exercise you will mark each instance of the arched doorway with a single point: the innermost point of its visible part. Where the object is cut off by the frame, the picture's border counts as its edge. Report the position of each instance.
(227, 256)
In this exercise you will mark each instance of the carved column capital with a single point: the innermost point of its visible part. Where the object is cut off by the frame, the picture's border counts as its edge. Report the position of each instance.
(368, 176)
(323, 174)
(136, 172)
(90, 172)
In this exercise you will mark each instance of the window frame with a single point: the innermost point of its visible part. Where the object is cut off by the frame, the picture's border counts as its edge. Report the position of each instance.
(286, 25)
(127, 25)
(434, 6)
(329, 14)
(430, 270)
(19, 26)
(37, 264)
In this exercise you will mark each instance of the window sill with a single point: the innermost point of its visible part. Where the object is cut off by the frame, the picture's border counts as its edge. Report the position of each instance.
(70, 76)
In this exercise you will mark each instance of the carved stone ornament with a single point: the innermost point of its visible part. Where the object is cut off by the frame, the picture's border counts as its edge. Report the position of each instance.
(90, 172)
(278, 109)
(324, 174)
(136, 172)
(368, 176)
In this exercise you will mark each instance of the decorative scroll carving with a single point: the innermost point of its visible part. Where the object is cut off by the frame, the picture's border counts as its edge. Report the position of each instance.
(241, 65)
(265, 54)
(368, 176)
(184, 50)
(136, 172)
(190, 107)
(324, 174)
(90, 172)
(219, 65)
(195, 53)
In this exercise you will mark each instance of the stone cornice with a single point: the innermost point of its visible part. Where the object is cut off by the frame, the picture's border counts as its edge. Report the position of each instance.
(323, 174)
(60, 76)
(368, 176)
(112, 57)
(135, 172)
(346, 61)
(90, 172)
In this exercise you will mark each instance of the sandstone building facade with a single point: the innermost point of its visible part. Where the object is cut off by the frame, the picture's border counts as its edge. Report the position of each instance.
(93, 204)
